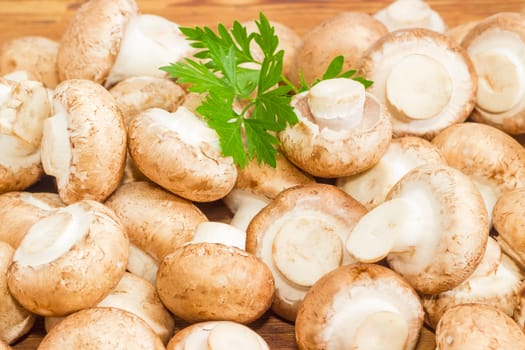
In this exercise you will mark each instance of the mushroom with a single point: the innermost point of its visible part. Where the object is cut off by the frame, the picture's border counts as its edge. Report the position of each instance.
(519, 310)
(84, 142)
(402, 155)
(402, 14)
(219, 232)
(432, 228)
(459, 32)
(300, 236)
(342, 130)
(102, 328)
(492, 159)
(496, 281)
(217, 335)
(36, 55)
(212, 281)
(425, 79)
(4, 345)
(181, 153)
(69, 260)
(478, 326)
(347, 34)
(24, 106)
(359, 306)
(496, 46)
(15, 321)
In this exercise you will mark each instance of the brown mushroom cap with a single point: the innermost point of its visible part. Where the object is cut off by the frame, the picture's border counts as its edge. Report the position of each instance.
(348, 34)
(69, 260)
(403, 63)
(84, 143)
(102, 328)
(336, 309)
(4, 345)
(210, 281)
(36, 55)
(478, 326)
(90, 44)
(300, 236)
(15, 321)
(496, 46)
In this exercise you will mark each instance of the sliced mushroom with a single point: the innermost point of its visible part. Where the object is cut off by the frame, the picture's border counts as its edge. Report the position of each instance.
(359, 306)
(347, 34)
(496, 47)
(181, 153)
(403, 154)
(402, 14)
(432, 228)
(425, 79)
(342, 130)
(69, 260)
(102, 328)
(35, 55)
(300, 236)
(15, 321)
(84, 142)
(478, 326)
(217, 335)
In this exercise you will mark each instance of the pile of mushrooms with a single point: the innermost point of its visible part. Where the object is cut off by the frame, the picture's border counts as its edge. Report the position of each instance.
(393, 213)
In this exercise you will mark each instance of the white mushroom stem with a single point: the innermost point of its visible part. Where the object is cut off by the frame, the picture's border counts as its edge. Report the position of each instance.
(244, 205)
(382, 330)
(337, 104)
(160, 38)
(142, 264)
(490, 193)
(408, 13)
(418, 87)
(17, 75)
(226, 336)
(218, 232)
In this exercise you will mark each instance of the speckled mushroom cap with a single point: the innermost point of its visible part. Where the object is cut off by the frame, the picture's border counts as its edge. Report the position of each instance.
(425, 79)
(212, 281)
(15, 321)
(69, 260)
(217, 335)
(90, 44)
(496, 47)
(102, 328)
(403, 154)
(496, 281)
(359, 302)
(493, 160)
(20, 210)
(180, 152)
(84, 142)
(300, 236)
(156, 221)
(478, 326)
(35, 55)
(401, 14)
(348, 34)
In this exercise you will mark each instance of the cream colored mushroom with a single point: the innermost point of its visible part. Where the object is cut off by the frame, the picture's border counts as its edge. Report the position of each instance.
(496, 281)
(425, 79)
(347, 34)
(84, 142)
(217, 335)
(402, 14)
(15, 321)
(102, 328)
(300, 236)
(519, 311)
(478, 326)
(359, 306)
(212, 281)
(403, 154)
(24, 106)
(492, 159)
(432, 228)
(181, 153)
(36, 55)
(69, 260)
(342, 130)
(496, 46)
(459, 32)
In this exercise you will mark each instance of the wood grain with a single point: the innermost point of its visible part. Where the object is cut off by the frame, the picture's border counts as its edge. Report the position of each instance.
(50, 17)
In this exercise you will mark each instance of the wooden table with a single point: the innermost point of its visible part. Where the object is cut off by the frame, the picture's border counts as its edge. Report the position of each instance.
(49, 18)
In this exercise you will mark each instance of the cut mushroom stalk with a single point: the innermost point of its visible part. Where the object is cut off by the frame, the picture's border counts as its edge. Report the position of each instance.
(231, 335)
(382, 330)
(410, 14)
(244, 205)
(218, 232)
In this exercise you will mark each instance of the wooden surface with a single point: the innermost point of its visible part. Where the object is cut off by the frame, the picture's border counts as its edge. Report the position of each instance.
(49, 18)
